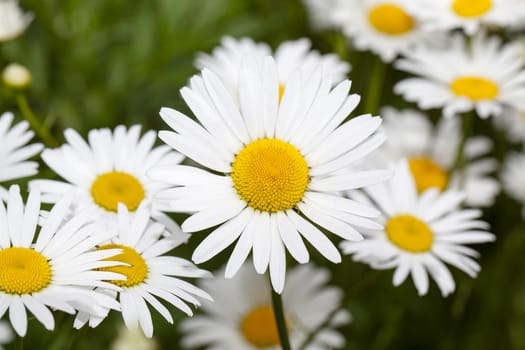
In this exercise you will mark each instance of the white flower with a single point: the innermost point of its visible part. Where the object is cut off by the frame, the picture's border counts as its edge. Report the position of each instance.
(321, 13)
(108, 170)
(14, 151)
(511, 177)
(459, 77)
(6, 334)
(512, 121)
(225, 61)
(150, 274)
(470, 14)
(16, 76)
(13, 21)
(55, 270)
(133, 339)
(422, 232)
(277, 164)
(386, 27)
(242, 317)
(432, 152)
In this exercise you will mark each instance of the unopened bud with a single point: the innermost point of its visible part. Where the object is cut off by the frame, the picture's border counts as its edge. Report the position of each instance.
(16, 76)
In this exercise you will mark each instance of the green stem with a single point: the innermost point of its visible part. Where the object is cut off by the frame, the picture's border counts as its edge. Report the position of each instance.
(467, 120)
(280, 320)
(375, 86)
(21, 343)
(40, 129)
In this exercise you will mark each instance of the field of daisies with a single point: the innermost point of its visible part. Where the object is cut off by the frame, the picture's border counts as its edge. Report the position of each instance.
(257, 174)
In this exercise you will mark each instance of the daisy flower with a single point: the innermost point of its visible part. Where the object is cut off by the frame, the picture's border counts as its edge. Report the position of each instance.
(150, 274)
(511, 176)
(13, 21)
(422, 232)
(321, 13)
(483, 76)
(225, 61)
(512, 121)
(470, 15)
(242, 317)
(107, 170)
(275, 167)
(14, 151)
(55, 270)
(386, 27)
(431, 153)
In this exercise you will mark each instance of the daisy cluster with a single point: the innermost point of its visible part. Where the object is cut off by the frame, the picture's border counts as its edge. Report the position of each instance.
(273, 166)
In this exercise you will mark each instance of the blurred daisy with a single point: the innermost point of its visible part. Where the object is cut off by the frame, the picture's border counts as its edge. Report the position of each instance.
(511, 175)
(385, 27)
(512, 121)
(321, 12)
(13, 21)
(109, 170)
(422, 232)
(470, 14)
(55, 270)
(14, 151)
(225, 61)
(242, 317)
(6, 334)
(150, 274)
(270, 162)
(483, 76)
(431, 153)
(133, 339)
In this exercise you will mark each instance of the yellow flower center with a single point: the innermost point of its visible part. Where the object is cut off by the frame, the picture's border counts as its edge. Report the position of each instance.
(23, 271)
(281, 92)
(136, 272)
(259, 328)
(270, 175)
(475, 88)
(409, 233)
(427, 174)
(390, 19)
(110, 189)
(471, 8)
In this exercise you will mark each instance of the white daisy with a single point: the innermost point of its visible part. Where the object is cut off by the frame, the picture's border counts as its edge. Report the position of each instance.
(242, 317)
(282, 164)
(470, 14)
(385, 27)
(14, 151)
(13, 21)
(432, 151)
(512, 121)
(108, 170)
(150, 274)
(55, 270)
(421, 233)
(225, 61)
(511, 177)
(483, 76)
(321, 13)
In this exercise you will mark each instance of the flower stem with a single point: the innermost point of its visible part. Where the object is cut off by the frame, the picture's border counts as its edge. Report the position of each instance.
(280, 320)
(375, 86)
(40, 129)
(467, 120)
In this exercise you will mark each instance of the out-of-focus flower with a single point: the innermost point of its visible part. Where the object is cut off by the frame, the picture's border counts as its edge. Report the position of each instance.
(13, 21)
(133, 338)
(225, 61)
(278, 165)
(149, 273)
(470, 14)
(16, 76)
(422, 232)
(513, 122)
(6, 334)
(483, 76)
(14, 151)
(321, 13)
(53, 270)
(432, 151)
(242, 317)
(512, 176)
(110, 169)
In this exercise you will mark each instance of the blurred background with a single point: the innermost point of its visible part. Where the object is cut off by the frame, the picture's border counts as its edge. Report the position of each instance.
(103, 63)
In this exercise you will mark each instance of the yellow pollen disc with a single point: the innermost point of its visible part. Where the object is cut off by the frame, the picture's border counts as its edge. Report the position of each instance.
(136, 272)
(23, 271)
(427, 174)
(259, 328)
(390, 19)
(409, 233)
(115, 187)
(270, 175)
(471, 8)
(475, 88)
(281, 92)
